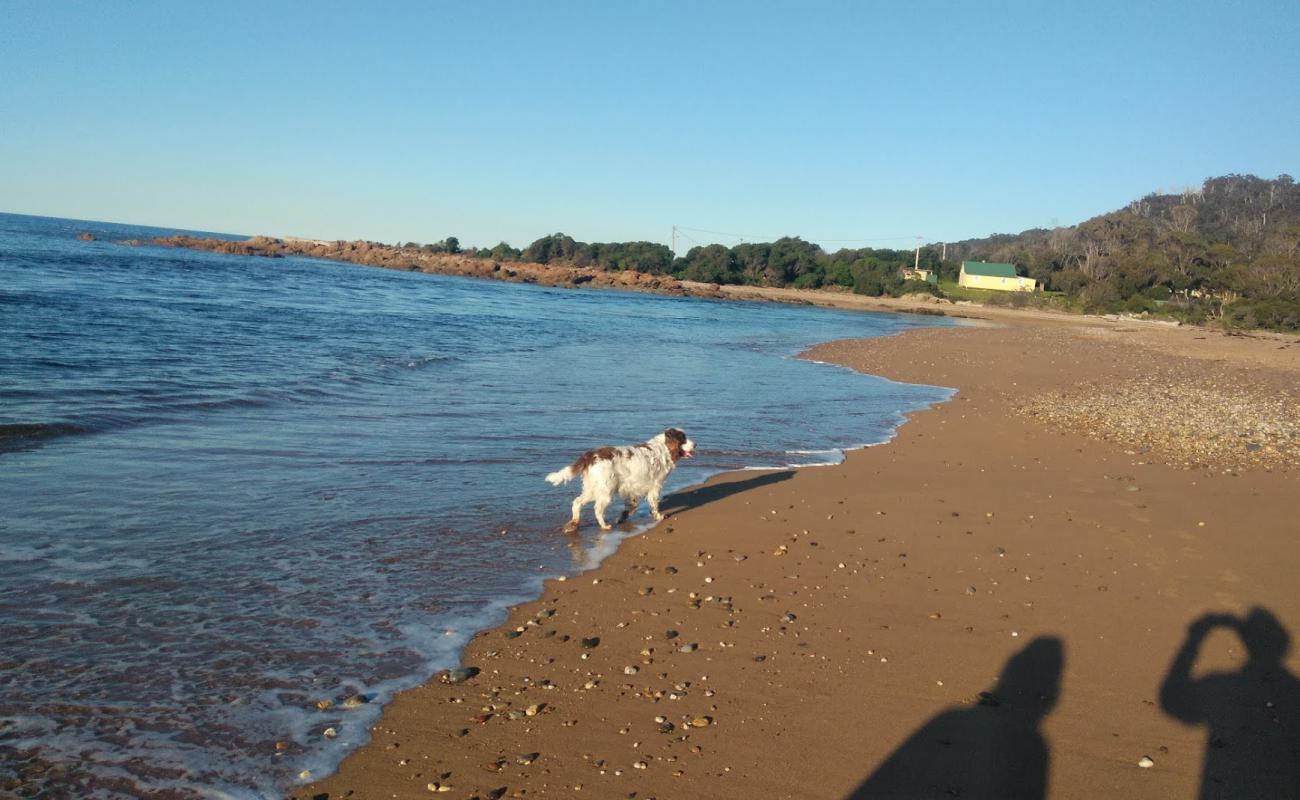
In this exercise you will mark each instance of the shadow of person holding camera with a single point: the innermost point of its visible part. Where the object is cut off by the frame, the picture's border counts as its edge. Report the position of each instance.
(993, 749)
(1253, 715)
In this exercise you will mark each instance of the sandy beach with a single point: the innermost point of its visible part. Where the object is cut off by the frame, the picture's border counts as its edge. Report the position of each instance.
(1007, 600)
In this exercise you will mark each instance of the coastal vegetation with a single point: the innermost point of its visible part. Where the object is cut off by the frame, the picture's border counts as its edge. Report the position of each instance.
(1227, 252)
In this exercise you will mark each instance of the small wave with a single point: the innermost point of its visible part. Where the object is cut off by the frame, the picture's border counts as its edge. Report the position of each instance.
(39, 430)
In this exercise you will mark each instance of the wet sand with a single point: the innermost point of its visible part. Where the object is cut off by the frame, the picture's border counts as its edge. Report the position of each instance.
(828, 632)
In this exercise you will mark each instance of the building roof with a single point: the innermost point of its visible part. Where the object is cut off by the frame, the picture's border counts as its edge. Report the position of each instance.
(988, 269)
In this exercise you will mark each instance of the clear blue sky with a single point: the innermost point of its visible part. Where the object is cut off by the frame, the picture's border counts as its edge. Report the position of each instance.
(614, 120)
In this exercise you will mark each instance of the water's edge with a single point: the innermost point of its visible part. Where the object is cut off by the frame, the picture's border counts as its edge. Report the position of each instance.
(494, 617)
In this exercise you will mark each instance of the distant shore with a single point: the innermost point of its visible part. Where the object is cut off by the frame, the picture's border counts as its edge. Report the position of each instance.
(408, 259)
(567, 276)
(996, 595)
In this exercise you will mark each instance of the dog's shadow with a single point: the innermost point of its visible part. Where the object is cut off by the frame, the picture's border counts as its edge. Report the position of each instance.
(589, 554)
(711, 493)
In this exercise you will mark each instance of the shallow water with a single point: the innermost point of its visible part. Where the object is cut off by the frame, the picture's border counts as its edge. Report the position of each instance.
(233, 487)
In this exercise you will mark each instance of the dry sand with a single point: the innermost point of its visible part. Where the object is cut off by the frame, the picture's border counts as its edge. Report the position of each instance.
(844, 620)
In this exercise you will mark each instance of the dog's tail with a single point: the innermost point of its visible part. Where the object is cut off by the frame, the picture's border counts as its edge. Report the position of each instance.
(561, 476)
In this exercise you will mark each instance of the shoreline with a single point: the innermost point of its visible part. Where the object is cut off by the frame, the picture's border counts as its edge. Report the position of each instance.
(558, 275)
(873, 642)
(609, 543)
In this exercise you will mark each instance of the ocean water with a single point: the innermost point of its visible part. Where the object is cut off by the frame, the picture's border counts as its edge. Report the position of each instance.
(231, 488)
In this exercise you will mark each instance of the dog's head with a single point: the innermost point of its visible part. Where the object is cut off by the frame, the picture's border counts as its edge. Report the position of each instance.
(679, 446)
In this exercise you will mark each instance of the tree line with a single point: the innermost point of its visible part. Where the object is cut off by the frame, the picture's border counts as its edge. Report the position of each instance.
(1228, 250)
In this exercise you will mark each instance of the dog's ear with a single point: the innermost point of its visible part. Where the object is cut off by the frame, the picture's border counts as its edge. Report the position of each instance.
(676, 442)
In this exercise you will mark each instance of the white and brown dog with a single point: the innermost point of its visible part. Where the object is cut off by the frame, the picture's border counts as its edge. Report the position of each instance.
(629, 472)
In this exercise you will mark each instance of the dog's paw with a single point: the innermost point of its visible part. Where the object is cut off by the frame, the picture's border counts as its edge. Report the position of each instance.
(607, 527)
(658, 517)
(570, 527)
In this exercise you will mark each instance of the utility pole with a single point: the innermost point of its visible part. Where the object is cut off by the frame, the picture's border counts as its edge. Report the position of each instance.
(944, 257)
(917, 263)
(674, 241)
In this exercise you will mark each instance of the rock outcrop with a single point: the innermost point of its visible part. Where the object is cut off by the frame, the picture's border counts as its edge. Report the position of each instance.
(375, 254)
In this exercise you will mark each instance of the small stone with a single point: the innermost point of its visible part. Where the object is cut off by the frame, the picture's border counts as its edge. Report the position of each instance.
(640, 765)
(788, 617)
(701, 722)
(646, 591)
(631, 669)
(670, 634)
(460, 675)
(688, 648)
(329, 733)
(324, 705)
(527, 758)
(591, 644)
(535, 709)
(354, 701)
(1145, 762)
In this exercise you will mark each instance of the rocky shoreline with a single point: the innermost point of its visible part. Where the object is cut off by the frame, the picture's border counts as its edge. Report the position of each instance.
(409, 259)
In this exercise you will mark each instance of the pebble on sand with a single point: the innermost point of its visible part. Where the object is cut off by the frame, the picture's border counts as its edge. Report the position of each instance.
(1145, 762)
(460, 675)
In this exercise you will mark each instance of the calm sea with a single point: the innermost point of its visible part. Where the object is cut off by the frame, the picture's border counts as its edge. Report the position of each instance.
(233, 487)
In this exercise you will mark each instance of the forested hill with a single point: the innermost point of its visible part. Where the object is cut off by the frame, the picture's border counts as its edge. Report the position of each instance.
(1235, 243)
(1229, 250)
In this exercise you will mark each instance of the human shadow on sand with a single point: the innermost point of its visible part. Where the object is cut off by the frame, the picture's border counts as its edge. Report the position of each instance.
(703, 495)
(992, 749)
(1253, 715)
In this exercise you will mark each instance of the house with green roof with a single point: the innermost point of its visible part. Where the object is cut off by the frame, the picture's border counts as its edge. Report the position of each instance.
(989, 275)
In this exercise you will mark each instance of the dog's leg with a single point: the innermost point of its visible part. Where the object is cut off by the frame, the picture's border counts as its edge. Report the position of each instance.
(602, 503)
(572, 525)
(653, 500)
(628, 510)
